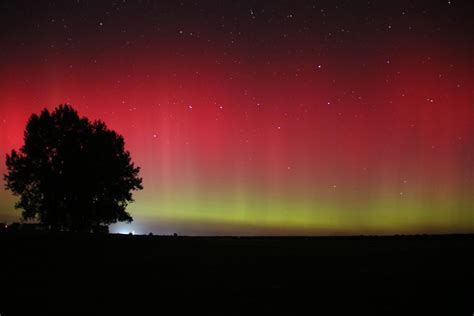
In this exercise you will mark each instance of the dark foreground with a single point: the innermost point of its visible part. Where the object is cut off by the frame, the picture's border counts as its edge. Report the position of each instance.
(109, 274)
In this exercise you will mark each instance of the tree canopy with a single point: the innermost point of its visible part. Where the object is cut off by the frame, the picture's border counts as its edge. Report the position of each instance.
(72, 174)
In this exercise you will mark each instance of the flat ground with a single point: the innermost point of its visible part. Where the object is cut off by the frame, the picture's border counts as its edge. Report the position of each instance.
(87, 274)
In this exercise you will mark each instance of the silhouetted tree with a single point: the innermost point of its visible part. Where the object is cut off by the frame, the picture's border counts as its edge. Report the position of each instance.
(72, 174)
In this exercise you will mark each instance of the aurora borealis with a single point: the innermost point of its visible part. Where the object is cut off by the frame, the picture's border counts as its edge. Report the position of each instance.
(261, 117)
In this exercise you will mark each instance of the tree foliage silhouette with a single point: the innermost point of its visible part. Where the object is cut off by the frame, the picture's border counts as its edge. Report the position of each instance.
(72, 174)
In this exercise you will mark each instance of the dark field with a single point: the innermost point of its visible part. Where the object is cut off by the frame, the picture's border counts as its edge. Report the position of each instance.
(92, 274)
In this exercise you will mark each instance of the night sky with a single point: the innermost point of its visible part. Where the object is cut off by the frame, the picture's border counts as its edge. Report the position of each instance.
(261, 117)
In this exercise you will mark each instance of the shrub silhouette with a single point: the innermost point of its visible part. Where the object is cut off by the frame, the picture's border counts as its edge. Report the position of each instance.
(72, 174)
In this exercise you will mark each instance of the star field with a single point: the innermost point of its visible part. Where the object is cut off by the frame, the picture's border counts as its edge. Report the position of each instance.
(251, 117)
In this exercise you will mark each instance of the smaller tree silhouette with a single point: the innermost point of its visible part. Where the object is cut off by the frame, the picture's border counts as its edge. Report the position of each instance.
(72, 174)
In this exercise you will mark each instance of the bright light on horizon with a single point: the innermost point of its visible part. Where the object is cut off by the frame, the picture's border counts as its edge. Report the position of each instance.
(124, 229)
